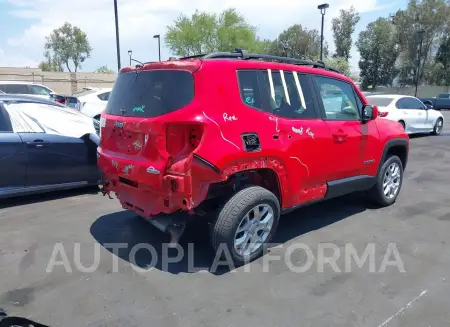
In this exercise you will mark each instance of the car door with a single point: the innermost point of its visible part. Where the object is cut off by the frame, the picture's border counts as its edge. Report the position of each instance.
(52, 158)
(412, 114)
(300, 126)
(55, 159)
(13, 157)
(341, 111)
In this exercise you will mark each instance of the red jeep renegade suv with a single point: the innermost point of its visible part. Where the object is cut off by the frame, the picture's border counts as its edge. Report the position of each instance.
(240, 139)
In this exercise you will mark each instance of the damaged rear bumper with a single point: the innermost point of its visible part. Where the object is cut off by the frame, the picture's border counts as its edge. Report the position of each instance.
(146, 201)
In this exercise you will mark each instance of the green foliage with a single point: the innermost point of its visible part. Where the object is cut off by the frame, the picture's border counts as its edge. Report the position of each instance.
(104, 69)
(343, 28)
(48, 66)
(339, 63)
(379, 51)
(67, 44)
(206, 32)
(298, 42)
(431, 16)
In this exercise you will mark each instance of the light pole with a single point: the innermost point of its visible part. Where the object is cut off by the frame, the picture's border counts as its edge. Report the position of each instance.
(420, 32)
(157, 36)
(117, 35)
(322, 9)
(129, 54)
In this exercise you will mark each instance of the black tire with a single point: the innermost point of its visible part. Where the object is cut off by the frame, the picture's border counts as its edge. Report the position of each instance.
(403, 124)
(437, 130)
(376, 193)
(230, 215)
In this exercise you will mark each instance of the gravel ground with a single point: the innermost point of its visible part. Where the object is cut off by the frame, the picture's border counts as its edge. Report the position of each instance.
(118, 292)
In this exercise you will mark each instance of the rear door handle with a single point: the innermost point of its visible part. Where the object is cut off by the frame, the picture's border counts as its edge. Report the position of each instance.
(38, 143)
(340, 137)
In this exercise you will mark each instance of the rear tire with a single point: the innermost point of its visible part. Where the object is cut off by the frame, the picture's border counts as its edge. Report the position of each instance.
(390, 178)
(438, 127)
(251, 216)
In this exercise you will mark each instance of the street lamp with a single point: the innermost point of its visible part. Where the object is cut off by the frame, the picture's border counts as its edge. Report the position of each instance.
(157, 36)
(117, 35)
(322, 9)
(420, 33)
(129, 54)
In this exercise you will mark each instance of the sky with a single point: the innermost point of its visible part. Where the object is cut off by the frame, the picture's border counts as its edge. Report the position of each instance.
(24, 24)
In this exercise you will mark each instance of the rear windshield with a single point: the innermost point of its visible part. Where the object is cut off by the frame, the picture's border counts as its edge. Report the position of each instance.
(150, 93)
(379, 101)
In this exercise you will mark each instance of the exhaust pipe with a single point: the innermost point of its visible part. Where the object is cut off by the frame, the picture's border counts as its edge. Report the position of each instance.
(171, 224)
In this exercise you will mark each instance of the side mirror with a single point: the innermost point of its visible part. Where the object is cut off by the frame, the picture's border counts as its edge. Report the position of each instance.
(369, 112)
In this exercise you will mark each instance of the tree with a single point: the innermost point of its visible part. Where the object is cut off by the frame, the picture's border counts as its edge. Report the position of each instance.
(206, 32)
(298, 42)
(47, 66)
(68, 43)
(379, 52)
(437, 72)
(104, 69)
(339, 63)
(431, 16)
(443, 61)
(343, 28)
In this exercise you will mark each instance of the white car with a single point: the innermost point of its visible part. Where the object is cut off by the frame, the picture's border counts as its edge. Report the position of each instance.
(93, 102)
(25, 88)
(409, 111)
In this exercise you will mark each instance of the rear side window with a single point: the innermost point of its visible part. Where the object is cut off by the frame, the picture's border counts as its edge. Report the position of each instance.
(150, 93)
(378, 101)
(104, 96)
(281, 93)
(15, 88)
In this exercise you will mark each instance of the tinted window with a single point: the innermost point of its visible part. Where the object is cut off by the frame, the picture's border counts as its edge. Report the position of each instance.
(5, 122)
(338, 99)
(150, 93)
(281, 93)
(16, 88)
(378, 101)
(409, 103)
(444, 95)
(249, 88)
(39, 90)
(104, 96)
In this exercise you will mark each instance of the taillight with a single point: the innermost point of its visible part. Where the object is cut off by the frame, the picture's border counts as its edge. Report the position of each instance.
(382, 113)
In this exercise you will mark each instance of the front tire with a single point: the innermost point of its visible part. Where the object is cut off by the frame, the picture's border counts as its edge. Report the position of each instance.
(245, 223)
(438, 126)
(389, 182)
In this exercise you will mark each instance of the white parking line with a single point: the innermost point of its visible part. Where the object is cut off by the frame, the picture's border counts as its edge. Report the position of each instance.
(403, 309)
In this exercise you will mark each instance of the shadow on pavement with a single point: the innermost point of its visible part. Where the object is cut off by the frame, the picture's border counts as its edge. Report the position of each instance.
(195, 252)
(28, 199)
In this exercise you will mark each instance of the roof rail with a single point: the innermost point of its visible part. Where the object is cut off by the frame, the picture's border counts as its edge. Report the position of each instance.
(245, 55)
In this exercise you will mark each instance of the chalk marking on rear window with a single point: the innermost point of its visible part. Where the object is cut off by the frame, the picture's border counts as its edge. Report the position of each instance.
(286, 93)
(299, 89)
(139, 108)
(272, 89)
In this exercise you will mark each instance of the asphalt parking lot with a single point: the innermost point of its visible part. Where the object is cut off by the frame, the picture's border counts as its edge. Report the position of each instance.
(254, 295)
